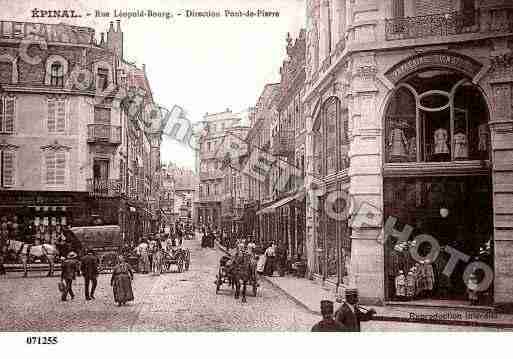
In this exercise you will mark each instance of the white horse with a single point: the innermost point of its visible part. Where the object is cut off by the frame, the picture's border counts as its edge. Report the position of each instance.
(25, 250)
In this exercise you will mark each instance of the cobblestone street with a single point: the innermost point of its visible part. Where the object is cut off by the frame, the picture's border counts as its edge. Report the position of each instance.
(170, 302)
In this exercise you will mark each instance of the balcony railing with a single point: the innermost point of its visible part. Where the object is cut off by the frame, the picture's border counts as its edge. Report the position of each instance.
(104, 133)
(283, 142)
(452, 23)
(104, 188)
(208, 175)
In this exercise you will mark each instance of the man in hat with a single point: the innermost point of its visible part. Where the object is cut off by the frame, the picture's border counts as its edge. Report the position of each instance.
(89, 267)
(350, 314)
(328, 324)
(69, 269)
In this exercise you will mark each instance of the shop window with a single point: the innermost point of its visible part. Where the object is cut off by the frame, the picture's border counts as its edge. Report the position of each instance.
(7, 168)
(56, 121)
(436, 116)
(7, 114)
(456, 212)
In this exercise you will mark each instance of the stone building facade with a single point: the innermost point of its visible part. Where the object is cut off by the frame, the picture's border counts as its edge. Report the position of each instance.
(419, 95)
(65, 133)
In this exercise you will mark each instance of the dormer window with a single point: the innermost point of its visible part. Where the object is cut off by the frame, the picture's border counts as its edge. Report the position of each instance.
(103, 79)
(57, 75)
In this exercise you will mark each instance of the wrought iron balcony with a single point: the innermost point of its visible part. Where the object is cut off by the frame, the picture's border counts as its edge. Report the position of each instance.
(208, 175)
(452, 23)
(104, 133)
(104, 188)
(282, 143)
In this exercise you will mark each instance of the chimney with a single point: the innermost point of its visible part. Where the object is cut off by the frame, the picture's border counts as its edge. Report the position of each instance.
(115, 39)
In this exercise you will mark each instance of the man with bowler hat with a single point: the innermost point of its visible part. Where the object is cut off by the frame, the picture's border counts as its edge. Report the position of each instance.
(69, 269)
(327, 324)
(89, 269)
(350, 314)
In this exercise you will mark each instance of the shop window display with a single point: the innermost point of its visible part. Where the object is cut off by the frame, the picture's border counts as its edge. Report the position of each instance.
(436, 116)
(457, 212)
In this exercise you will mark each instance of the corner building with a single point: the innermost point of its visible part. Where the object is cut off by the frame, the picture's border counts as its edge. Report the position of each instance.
(409, 103)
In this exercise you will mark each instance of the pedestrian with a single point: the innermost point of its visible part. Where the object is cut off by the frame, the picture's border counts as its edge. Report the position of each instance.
(350, 314)
(69, 269)
(327, 324)
(89, 267)
(270, 254)
(2, 256)
(179, 235)
(151, 250)
(157, 259)
(121, 282)
(144, 262)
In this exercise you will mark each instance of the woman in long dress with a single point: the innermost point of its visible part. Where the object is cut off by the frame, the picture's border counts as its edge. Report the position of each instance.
(121, 282)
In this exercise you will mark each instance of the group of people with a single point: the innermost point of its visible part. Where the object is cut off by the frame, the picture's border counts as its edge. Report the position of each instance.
(88, 266)
(347, 318)
(151, 251)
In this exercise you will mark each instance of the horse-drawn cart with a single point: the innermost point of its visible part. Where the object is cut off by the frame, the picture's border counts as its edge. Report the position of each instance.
(237, 272)
(105, 241)
(177, 257)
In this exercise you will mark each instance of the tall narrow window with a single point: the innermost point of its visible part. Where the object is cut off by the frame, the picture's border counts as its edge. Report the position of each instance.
(57, 75)
(397, 8)
(55, 165)
(7, 114)
(103, 79)
(7, 168)
(56, 122)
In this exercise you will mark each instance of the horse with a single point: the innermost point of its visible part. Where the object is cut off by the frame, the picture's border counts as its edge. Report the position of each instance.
(242, 270)
(25, 250)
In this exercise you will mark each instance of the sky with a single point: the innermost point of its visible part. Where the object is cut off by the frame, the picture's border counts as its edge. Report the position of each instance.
(200, 64)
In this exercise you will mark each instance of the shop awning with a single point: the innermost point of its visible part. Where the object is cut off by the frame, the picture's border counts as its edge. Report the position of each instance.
(271, 208)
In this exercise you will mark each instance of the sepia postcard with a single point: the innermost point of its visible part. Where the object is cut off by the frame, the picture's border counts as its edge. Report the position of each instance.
(255, 166)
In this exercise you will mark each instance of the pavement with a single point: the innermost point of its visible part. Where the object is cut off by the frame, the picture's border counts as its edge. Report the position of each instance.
(308, 294)
(170, 302)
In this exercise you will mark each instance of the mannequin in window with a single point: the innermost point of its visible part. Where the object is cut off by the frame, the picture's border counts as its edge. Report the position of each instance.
(398, 144)
(460, 146)
(412, 149)
(441, 150)
(482, 131)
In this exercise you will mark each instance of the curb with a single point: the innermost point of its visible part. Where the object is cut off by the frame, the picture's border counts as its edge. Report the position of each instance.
(385, 318)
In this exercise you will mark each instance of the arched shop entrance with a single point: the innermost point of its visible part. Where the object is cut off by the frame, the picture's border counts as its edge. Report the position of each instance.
(437, 180)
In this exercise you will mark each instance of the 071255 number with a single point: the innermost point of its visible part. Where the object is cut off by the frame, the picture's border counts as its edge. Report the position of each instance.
(42, 340)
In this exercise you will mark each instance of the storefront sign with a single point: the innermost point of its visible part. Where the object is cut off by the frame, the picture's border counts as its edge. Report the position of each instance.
(434, 60)
(48, 32)
(27, 198)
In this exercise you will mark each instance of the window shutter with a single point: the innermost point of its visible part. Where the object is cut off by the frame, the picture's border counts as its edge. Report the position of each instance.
(50, 168)
(9, 168)
(60, 119)
(9, 114)
(60, 168)
(1, 114)
(51, 116)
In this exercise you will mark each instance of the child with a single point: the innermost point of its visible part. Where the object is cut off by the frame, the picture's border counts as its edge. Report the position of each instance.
(472, 286)
(400, 286)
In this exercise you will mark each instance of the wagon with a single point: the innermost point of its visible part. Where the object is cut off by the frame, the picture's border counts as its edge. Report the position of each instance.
(105, 241)
(177, 257)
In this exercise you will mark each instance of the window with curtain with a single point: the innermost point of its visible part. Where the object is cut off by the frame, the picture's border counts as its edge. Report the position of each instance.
(55, 168)
(7, 114)
(7, 168)
(56, 121)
